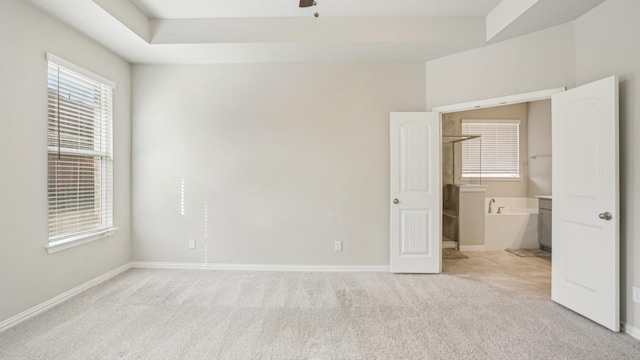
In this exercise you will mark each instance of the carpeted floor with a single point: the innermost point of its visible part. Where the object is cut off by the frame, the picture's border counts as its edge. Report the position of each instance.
(202, 314)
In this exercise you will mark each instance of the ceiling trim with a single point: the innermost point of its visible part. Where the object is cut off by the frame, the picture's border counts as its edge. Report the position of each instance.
(506, 13)
(123, 28)
(129, 15)
(418, 30)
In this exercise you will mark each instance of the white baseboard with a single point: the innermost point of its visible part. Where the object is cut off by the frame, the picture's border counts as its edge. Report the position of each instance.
(12, 321)
(632, 331)
(472, 248)
(260, 267)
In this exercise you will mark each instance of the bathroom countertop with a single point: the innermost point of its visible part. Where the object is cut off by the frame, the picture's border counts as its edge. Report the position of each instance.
(543, 197)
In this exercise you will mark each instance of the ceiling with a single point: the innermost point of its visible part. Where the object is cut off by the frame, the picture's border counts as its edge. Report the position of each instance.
(258, 31)
(195, 9)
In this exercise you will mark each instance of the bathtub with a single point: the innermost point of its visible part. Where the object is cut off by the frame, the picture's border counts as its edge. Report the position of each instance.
(516, 227)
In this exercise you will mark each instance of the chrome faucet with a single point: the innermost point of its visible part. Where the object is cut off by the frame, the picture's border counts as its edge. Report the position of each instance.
(491, 202)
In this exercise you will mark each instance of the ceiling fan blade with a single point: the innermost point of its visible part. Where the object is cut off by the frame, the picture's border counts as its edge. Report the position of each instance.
(306, 3)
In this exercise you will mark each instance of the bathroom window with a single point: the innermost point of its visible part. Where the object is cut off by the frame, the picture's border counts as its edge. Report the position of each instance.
(79, 142)
(496, 154)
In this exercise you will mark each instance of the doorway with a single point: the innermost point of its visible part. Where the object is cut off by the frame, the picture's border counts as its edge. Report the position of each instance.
(586, 215)
(496, 223)
(496, 164)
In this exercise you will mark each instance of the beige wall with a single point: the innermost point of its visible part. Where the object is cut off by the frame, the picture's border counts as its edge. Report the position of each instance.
(607, 41)
(28, 275)
(502, 188)
(539, 133)
(542, 60)
(278, 160)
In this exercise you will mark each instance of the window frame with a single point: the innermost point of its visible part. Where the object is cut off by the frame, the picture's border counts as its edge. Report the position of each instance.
(492, 175)
(103, 158)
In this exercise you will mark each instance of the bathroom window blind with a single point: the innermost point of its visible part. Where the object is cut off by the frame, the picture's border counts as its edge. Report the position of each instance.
(79, 142)
(496, 154)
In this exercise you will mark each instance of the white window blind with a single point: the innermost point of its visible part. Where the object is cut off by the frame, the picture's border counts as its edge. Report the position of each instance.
(496, 154)
(79, 139)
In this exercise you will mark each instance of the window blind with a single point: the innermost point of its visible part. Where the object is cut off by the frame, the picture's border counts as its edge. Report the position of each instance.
(79, 142)
(496, 154)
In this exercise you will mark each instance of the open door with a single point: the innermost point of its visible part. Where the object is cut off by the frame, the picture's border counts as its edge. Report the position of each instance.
(415, 193)
(585, 262)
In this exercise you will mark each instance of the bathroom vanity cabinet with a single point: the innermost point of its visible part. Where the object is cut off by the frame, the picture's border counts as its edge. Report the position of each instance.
(544, 223)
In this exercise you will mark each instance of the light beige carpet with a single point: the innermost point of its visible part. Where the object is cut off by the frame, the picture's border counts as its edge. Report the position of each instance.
(202, 314)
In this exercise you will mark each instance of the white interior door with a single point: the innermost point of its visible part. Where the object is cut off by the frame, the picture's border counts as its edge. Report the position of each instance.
(415, 193)
(585, 265)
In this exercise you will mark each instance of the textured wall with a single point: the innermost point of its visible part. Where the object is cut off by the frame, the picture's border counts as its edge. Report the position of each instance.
(607, 41)
(28, 275)
(278, 161)
(542, 60)
(539, 134)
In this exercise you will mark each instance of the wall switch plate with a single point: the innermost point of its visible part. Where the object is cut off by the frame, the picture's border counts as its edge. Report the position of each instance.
(636, 294)
(192, 243)
(337, 246)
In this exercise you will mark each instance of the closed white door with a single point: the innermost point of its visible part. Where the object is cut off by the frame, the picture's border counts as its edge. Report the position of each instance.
(585, 262)
(415, 193)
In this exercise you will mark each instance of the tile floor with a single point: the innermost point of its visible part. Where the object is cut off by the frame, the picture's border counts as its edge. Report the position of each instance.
(530, 275)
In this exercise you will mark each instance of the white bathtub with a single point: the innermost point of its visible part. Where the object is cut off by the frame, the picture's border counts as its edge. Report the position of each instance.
(516, 227)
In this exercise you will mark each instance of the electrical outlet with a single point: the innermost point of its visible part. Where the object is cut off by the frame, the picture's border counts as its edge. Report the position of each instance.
(337, 246)
(636, 294)
(192, 243)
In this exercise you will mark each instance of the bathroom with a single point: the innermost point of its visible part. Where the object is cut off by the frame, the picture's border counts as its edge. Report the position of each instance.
(497, 211)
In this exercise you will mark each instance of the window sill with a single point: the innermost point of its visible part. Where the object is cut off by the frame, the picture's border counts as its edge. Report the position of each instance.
(496, 179)
(73, 241)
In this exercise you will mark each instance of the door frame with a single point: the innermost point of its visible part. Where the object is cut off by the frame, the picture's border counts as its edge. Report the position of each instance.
(499, 101)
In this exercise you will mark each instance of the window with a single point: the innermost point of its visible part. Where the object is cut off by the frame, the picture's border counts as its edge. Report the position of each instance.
(496, 154)
(79, 142)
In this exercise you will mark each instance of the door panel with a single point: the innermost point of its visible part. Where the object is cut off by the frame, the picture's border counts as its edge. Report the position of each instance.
(414, 157)
(580, 270)
(585, 261)
(415, 193)
(414, 230)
